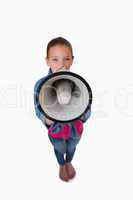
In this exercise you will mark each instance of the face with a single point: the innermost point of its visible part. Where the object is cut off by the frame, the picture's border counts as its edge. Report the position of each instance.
(59, 57)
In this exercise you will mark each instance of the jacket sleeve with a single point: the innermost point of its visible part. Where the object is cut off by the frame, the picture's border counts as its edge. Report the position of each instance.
(38, 112)
(86, 116)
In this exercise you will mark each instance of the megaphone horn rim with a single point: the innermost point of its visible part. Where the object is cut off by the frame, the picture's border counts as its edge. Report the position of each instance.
(67, 73)
(70, 74)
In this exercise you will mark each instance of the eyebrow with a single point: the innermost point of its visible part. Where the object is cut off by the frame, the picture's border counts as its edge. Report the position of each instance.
(59, 57)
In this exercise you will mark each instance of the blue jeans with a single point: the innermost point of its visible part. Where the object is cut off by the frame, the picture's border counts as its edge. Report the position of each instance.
(64, 147)
(60, 157)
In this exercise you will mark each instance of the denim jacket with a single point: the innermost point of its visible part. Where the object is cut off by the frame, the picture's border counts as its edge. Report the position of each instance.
(58, 129)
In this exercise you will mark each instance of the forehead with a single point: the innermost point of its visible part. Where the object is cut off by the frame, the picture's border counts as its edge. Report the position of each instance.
(58, 50)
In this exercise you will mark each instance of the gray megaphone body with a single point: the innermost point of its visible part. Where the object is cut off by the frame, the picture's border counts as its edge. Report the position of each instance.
(63, 90)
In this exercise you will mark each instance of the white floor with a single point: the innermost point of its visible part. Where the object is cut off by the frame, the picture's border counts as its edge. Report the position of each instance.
(103, 160)
(101, 33)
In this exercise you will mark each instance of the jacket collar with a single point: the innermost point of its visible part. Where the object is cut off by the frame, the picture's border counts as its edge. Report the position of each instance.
(50, 71)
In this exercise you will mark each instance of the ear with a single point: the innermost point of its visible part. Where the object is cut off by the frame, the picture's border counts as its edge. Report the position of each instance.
(72, 59)
(47, 61)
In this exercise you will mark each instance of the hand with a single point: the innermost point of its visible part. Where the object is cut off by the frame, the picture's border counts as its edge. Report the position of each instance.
(48, 121)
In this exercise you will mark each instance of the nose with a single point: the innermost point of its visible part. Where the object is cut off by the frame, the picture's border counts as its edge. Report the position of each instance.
(62, 62)
(62, 65)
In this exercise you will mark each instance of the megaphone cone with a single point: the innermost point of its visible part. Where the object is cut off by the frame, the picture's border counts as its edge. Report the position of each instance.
(64, 96)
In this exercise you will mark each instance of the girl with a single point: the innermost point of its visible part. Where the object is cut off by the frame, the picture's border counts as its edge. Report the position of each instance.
(60, 56)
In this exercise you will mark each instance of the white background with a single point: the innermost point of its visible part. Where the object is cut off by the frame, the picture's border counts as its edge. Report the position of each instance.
(101, 33)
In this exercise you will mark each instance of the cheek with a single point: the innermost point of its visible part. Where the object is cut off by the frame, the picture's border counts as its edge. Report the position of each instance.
(53, 64)
(69, 64)
(54, 67)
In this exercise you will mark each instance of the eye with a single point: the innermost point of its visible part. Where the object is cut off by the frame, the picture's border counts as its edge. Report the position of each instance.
(55, 59)
(67, 59)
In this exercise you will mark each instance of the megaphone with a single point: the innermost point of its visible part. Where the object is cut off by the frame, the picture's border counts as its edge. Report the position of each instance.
(64, 96)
